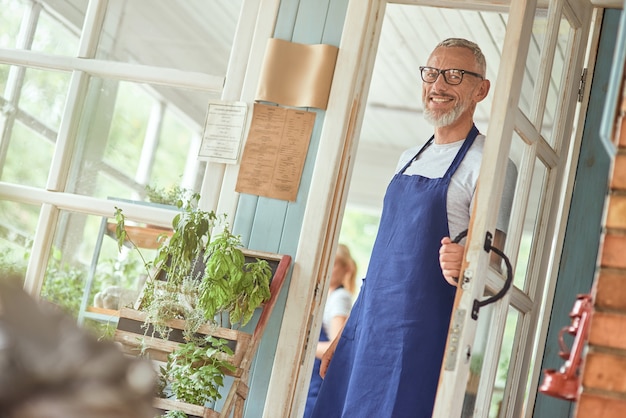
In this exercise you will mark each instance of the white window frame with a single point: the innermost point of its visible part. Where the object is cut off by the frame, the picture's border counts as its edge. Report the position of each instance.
(255, 25)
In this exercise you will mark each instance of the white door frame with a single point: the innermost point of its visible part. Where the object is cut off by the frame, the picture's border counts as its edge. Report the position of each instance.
(337, 150)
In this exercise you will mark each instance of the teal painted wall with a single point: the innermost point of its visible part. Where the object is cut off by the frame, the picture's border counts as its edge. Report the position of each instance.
(584, 225)
(274, 225)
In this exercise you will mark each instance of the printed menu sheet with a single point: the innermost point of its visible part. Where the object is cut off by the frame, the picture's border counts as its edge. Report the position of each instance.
(223, 132)
(275, 151)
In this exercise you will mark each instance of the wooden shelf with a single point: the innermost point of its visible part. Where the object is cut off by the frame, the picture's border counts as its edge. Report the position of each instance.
(103, 311)
(142, 236)
(101, 314)
(135, 340)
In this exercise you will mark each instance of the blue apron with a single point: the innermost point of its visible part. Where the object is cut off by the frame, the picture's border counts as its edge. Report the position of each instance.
(388, 359)
(316, 381)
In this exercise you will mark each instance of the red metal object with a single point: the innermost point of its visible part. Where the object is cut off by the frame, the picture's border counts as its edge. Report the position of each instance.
(564, 383)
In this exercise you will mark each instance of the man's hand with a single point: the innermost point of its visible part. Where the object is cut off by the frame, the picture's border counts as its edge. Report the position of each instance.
(450, 259)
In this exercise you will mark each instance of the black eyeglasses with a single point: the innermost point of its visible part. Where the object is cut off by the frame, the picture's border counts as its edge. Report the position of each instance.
(452, 76)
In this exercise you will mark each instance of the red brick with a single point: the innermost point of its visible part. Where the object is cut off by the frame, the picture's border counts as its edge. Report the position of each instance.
(608, 330)
(605, 372)
(618, 180)
(616, 214)
(610, 291)
(614, 251)
(595, 406)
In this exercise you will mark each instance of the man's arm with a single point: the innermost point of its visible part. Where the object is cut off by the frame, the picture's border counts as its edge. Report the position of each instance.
(451, 257)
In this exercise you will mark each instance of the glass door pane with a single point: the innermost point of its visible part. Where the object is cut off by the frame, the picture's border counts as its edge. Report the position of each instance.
(560, 61)
(544, 102)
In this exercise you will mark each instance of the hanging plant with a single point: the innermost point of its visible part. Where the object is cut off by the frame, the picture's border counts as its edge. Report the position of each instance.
(195, 371)
(230, 284)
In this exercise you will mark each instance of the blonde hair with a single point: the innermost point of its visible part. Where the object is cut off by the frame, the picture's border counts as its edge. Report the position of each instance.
(345, 257)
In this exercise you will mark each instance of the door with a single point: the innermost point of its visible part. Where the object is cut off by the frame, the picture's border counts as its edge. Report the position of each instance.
(489, 360)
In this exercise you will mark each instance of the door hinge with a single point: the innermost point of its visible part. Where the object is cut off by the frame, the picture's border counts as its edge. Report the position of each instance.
(581, 85)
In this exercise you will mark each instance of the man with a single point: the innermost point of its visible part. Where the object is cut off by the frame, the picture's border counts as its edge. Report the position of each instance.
(387, 359)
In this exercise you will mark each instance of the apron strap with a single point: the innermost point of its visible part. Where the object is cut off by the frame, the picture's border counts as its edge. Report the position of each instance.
(469, 140)
(426, 145)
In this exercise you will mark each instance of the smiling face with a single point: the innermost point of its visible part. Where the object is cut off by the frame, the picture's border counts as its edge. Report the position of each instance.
(445, 104)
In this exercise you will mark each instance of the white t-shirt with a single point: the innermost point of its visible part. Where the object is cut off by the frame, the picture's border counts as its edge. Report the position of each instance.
(338, 303)
(435, 160)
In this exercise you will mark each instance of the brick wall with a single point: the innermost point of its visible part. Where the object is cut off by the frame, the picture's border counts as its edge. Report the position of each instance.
(603, 392)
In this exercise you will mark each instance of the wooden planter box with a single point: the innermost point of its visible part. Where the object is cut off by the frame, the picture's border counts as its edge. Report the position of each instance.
(137, 341)
(191, 410)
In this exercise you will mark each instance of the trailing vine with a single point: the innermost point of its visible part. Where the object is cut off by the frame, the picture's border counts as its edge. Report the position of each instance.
(195, 372)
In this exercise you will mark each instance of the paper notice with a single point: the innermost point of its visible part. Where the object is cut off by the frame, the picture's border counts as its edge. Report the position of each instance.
(275, 151)
(223, 132)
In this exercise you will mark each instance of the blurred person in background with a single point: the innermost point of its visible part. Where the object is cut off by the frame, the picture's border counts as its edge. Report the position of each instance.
(51, 368)
(336, 311)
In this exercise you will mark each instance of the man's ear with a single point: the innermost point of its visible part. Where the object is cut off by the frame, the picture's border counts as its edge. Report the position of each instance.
(482, 90)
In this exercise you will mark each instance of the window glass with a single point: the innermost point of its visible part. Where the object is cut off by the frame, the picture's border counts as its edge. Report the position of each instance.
(512, 326)
(45, 33)
(532, 62)
(537, 192)
(31, 126)
(28, 158)
(4, 74)
(167, 34)
(130, 137)
(559, 71)
(480, 354)
(11, 13)
(85, 265)
(56, 37)
(129, 123)
(178, 152)
(17, 229)
(42, 99)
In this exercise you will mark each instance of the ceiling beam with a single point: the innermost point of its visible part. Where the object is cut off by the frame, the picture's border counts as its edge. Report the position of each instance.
(608, 4)
(497, 5)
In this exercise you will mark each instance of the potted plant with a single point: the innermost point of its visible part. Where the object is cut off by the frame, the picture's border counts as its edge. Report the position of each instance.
(201, 286)
(169, 196)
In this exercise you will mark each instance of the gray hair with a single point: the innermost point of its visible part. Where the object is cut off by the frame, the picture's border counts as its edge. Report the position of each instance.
(464, 43)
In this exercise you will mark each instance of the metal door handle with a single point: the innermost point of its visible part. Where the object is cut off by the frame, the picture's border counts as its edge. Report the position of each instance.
(509, 273)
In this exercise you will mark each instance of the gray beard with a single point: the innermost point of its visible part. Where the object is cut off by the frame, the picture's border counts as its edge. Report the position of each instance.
(443, 120)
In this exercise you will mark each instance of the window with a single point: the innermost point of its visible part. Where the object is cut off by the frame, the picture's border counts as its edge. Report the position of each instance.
(95, 113)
